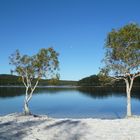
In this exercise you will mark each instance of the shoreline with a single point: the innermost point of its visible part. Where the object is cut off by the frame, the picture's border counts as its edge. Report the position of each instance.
(63, 86)
(16, 126)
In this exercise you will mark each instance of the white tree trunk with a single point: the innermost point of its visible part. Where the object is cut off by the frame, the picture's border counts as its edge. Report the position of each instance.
(28, 94)
(129, 113)
(128, 91)
(26, 108)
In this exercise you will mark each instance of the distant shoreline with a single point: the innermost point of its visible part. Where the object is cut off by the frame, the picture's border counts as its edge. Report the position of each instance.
(67, 86)
(63, 86)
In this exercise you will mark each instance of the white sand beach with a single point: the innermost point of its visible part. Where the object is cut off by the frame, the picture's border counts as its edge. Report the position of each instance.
(19, 127)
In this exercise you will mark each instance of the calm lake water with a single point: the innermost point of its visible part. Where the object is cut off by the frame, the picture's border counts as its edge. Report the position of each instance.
(69, 102)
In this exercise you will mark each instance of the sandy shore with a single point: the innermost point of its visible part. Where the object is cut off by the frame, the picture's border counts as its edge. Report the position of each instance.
(19, 127)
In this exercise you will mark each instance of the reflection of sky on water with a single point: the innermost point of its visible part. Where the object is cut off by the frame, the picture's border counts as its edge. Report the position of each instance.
(70, 103)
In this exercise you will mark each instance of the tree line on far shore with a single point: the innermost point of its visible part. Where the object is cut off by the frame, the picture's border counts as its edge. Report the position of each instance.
(90, 81)
(94, 80)
(13, 80)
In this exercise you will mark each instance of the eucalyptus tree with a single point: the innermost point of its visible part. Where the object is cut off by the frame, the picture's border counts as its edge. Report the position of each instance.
(31, 69)
(122, 57)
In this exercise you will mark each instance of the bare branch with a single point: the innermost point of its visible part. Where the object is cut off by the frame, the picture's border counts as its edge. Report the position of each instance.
(137, 74)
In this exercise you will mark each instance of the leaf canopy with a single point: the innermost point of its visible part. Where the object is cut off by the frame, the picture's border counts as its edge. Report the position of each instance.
(43, 64)
(123, 50)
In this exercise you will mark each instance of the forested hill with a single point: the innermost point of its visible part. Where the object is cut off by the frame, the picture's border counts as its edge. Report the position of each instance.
(93, 80)
(9, 80)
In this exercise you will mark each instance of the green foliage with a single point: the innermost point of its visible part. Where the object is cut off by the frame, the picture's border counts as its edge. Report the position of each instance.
(13, 80)
(7, 80)
(92, 80)
(104, 80)
(123, 50)
(54, 80)
(43, 64)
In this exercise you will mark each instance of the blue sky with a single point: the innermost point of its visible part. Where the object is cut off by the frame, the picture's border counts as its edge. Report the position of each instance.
(75, 28)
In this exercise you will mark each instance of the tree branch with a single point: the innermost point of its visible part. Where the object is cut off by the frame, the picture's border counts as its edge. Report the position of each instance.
(32, 90)
(137, 74)
(23, 80)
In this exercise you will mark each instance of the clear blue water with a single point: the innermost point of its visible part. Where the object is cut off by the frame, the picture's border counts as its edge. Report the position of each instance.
(70, 103)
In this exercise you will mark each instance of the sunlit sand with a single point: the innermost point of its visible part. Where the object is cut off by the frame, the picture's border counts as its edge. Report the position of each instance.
(16, 126)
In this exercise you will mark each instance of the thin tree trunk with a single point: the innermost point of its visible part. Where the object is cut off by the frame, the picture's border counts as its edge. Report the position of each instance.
(129, 113)
(28, 97)
(26, 108)
(128, 91)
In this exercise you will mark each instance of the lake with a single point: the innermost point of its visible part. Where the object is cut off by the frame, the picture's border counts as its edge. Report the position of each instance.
(69, 102)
